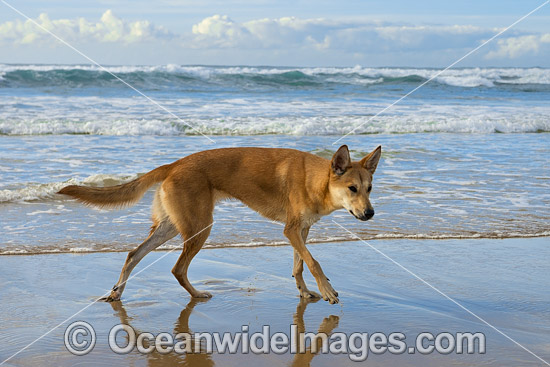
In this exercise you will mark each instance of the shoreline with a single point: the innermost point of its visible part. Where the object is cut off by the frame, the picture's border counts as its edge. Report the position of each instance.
(286, 244)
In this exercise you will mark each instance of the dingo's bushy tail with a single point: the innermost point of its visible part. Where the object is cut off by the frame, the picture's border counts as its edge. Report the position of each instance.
(119, 195)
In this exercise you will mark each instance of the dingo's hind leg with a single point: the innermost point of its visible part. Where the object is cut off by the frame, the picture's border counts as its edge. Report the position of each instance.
(164, 231)
(191, 247)
(189, 206)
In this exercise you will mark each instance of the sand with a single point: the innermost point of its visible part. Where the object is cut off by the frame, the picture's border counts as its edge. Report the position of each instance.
(505, 282)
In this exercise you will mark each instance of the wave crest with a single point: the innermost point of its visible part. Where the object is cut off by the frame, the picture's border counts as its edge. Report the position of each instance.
(176, 75)
(521, 122)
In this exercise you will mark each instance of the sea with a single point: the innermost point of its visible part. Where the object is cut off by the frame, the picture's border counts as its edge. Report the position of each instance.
(464, 156)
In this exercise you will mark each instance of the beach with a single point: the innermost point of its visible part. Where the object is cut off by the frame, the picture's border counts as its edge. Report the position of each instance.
(501, 281)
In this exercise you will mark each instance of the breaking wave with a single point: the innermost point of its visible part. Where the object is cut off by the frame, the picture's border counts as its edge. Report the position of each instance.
(170, 76)
(527, 122)
(45, 191)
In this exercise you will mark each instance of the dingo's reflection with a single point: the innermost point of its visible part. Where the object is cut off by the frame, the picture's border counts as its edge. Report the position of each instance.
(327, 326)
(154, 358)
(204, 359)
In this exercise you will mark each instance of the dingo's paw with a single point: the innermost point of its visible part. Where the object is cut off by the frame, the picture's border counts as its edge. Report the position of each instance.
(309, 294)
(329, 323)
(114, 296)
(328, 293)
(202, 295)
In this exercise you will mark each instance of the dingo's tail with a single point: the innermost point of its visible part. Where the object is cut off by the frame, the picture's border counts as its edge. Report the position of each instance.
(119, 195)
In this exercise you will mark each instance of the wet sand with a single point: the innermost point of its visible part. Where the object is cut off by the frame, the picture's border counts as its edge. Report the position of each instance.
(505, 282)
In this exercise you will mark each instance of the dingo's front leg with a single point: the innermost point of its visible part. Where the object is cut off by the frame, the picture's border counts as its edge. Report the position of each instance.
(297, 270)
(300, 283)
(294, 234)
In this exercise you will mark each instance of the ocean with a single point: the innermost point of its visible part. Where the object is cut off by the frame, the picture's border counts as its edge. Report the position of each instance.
(465, 156)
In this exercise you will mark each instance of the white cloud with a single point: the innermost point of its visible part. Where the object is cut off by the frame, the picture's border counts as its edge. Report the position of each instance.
(288, 38)
(221, 31)
(218, 31)
(110, 28)
(514, 47)
(322, 34)
(363, 37)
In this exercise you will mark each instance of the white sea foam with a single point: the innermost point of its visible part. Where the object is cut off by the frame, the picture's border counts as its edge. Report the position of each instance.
(31, 191)
(527, 122)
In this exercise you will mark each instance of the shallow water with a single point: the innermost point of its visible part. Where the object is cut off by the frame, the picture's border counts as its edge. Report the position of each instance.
(426, 186)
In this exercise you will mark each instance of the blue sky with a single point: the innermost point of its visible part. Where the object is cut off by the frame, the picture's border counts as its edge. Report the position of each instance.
(282, 32)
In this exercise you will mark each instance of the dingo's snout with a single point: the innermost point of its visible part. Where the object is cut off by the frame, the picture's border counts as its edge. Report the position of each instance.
(366, 215)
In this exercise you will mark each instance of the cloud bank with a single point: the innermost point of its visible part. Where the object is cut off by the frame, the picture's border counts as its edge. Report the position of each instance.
(320, 36)
(221, 31)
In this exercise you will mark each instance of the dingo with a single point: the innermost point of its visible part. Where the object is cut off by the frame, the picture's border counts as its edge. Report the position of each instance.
(285, 185)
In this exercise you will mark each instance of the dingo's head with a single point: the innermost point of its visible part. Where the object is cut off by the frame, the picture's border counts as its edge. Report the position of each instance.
(351, 182)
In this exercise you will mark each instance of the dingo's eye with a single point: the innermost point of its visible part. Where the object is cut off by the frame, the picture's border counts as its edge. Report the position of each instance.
(369, 189)
(353, 188)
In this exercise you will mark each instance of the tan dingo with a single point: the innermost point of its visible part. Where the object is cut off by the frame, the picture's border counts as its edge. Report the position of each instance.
(285, 185)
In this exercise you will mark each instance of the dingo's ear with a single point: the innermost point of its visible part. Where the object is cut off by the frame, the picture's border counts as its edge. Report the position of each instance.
(341, 160)
(371, 161)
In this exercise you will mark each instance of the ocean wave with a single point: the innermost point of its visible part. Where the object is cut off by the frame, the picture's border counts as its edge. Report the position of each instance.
(47, 191)
(482, 123)
(13, 76)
